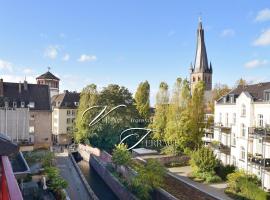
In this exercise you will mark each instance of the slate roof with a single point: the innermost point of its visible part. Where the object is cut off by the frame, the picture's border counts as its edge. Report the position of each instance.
(256, 91)
(39, 94)
(6, 146)
(201, 61)
(66, 100)
(48, 75)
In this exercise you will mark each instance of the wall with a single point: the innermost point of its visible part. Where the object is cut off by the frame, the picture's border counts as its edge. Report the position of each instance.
(15, 123)
(42, 123)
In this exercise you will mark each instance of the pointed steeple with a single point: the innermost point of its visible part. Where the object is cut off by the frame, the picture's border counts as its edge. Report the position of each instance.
(201, 62)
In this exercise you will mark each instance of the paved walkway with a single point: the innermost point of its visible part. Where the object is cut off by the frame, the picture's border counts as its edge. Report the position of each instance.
(216, 190)
(76, 190)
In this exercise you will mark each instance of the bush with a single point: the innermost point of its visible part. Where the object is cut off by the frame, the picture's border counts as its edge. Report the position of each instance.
(245, 186)
(203, 160)
(207, 177)
(121, 156)
(223, 171)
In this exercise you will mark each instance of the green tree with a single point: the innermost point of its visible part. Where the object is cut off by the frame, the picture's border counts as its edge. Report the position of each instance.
(142, 100)
(149, 177)
(218, 91)
(107, 131)
(88, 98)
(179, 100)
(241, 82)
(160, 117)
(120, 155)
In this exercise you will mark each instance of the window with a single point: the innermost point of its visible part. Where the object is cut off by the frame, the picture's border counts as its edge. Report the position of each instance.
(73, 112)
(242, 153)
(68, 112)
(260, 120)
(14, 104)
(233, 139)
(267, 95)
(220, 118)
(194, 79)
(6, 104)
(22, 104)
(31, 129)
(231, 98)
(227, 120)
(234, 119)
(233, 160)
(199, 78)
(68, 121)
(243, 130)
(224, 99)
(31, 104)
(243, 110)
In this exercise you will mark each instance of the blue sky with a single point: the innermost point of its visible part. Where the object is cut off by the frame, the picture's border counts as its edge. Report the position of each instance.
(129, 41)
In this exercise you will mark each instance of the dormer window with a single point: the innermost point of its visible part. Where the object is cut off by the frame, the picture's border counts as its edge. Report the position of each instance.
(14, 104)
(267, 95)
(76, 103)
(22, 104)
(31, 104)
(231, 98)
(6, 104)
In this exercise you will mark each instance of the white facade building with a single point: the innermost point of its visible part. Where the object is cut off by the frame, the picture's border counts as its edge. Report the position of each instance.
(242, 133)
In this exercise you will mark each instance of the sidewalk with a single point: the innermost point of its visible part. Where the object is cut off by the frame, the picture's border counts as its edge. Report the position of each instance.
(76, 190)
(215, 190)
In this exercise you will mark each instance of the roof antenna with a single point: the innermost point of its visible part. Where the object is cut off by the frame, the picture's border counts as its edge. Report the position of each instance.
(200, 16)
(49, 68)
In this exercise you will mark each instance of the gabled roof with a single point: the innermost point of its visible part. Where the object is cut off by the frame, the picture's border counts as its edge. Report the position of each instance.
(256, 91)
(39, 94)
(201, 61)
(66, 100)
(48, 75)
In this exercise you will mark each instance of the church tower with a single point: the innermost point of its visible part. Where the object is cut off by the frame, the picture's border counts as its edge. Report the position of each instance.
(201, 70)
(51, 80)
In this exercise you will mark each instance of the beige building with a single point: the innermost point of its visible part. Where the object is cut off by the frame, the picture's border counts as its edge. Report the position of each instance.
(63, 117)
(26, 113)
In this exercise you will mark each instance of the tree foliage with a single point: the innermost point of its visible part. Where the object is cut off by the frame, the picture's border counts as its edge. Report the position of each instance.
(160, 117)
(142, 99)
(121, 156)
(105, 134)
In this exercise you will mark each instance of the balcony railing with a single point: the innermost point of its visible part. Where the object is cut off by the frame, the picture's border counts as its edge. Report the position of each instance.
(258, 160)
(221, 147)
(9, 186)
(223, 128)
(260, 132)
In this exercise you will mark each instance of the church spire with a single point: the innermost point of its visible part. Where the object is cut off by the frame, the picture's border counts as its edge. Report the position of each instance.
(201, 62)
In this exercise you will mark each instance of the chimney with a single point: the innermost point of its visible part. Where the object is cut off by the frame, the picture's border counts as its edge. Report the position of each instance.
(1, 88)
(20, 87)
(25, 85)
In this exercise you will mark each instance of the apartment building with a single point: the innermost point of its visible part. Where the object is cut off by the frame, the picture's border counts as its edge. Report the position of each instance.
(64, 107)
(25, 113)
(242, 130)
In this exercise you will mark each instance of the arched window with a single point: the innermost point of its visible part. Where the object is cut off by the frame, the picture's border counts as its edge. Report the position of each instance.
(199, 78)
(243, 130)
(243, 110)
(194, 79)
(242, 153)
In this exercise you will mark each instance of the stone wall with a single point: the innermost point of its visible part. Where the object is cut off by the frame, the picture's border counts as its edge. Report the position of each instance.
(119, 190)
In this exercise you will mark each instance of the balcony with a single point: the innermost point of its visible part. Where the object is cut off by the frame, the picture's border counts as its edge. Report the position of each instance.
(223, 128)
(221, 147)
(260, 132)
(258, 160)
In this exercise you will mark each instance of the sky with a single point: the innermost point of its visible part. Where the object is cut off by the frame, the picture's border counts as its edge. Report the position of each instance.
(129, 41)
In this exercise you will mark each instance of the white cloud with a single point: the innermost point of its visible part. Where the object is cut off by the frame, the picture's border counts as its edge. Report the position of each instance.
(27, 71)
(263, 15)
(256, 63)
(5, 65)
(227, 33)
(66, 57)
(51, 51)
(87, 58)
(263, 39)
(17, 78)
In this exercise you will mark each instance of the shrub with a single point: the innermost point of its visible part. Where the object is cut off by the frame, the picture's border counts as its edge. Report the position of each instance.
(223, 171)
(207, 177)
(121, 156)
(245, 186)
(203, 160)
